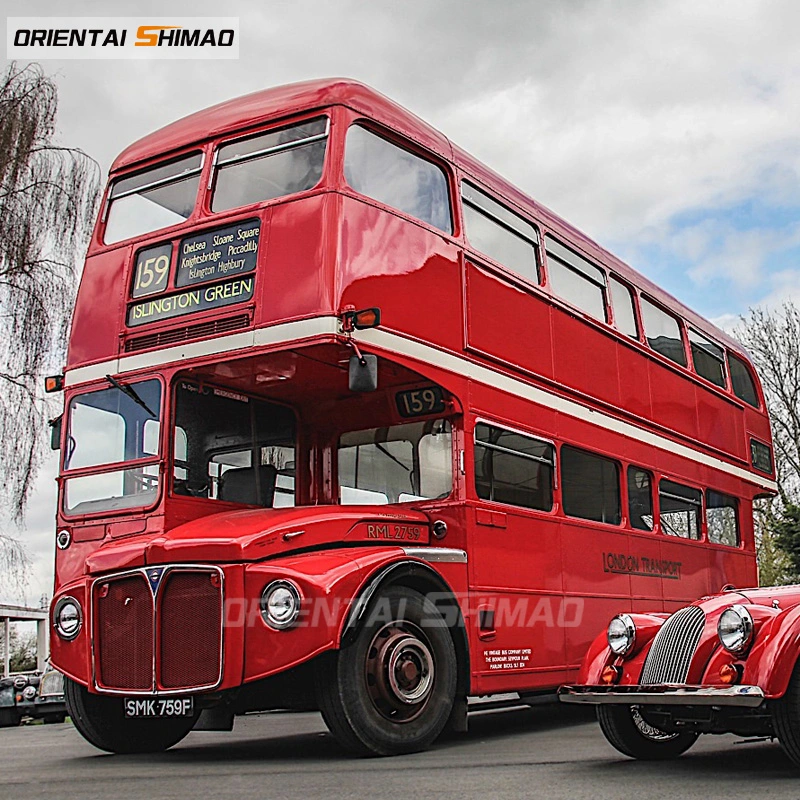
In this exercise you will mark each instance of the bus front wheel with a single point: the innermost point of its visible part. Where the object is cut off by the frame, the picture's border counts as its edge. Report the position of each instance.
(391, 689)
(630, 733)
(102, 722)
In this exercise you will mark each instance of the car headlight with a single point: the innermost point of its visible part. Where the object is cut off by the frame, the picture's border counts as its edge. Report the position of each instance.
(280, 604)
(67, 618)
(20, 682)
(735, 629)
(621, 634)
(29, 692)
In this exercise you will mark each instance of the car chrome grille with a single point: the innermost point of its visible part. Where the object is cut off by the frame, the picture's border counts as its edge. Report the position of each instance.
(162, 633)
(671, 654)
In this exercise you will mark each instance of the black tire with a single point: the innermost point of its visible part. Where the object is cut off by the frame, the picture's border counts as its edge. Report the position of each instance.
(633, 736)
(786, 718)
(54, 719)
(9, 718)
(391, 689)
(102, 722)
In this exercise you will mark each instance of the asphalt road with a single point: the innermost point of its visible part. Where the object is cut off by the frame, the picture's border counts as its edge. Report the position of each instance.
(552, 752)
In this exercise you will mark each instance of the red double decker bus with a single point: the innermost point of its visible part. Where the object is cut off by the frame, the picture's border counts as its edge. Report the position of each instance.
(352, 424)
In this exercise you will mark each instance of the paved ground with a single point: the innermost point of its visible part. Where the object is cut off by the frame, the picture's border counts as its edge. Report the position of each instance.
(551, 752)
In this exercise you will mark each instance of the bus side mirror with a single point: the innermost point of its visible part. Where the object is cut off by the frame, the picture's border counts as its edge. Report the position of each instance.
(363, 373)
(55, 432)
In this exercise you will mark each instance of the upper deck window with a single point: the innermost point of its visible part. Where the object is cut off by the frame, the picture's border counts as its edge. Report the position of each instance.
(274, 164)
(500, 233)
(741, 381)
(394, 176)
(624, 313)
(663, 332)
(708, 357)
(153, 199)
(576, 280)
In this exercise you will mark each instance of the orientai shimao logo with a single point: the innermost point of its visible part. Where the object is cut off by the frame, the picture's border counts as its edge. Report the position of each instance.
(38, 38)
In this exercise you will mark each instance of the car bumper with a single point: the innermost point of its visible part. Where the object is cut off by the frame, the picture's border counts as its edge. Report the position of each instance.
(743, 696)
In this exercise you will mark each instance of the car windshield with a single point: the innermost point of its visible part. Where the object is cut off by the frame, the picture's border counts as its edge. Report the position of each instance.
(396, 464)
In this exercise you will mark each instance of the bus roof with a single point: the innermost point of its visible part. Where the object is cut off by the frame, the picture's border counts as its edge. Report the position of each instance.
(253, 110)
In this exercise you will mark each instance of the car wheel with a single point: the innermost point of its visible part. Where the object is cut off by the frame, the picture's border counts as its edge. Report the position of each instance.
(54, 719)
(630, 733)
(102, 722)
(786, 718)
(391, 689)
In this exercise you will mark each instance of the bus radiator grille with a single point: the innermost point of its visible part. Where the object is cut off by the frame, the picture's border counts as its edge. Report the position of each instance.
(670, 656)
(190, 630)
(124, 633)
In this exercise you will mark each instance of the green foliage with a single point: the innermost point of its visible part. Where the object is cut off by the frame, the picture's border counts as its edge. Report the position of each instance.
(786, 533)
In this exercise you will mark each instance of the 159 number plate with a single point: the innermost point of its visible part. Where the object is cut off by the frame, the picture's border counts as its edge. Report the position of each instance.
(159, 706)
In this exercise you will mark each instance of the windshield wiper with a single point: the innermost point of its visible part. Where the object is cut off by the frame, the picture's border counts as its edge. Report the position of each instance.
(125, 389)
(383, 450)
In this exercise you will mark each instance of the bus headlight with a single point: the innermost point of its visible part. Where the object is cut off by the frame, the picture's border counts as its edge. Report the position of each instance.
(280, 604)
(735, 629)
(67, 618)
(621, 634)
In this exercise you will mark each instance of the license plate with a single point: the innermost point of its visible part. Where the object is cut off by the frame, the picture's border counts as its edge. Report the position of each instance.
(159, 706)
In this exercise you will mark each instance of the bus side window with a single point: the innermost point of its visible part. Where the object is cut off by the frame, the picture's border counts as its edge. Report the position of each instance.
(722, 518)
(708, 358)
(640, 499)
(576, 280)
(624, 313)
(590, 486)
(392, 175)
(500, 233)
(742, 381)
(680, 508)
(512, 468)
(663, 332)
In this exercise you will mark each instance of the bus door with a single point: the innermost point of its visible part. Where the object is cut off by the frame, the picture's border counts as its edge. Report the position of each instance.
(515, 562)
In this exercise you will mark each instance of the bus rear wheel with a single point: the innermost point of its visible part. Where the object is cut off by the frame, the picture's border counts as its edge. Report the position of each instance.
(630, 733)
(391, 689)
(102, 722)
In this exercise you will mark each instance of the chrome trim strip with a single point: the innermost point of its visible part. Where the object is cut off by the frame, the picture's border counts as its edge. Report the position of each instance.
(167, 569)
(437, 555)
(396, 343)
(668, 695)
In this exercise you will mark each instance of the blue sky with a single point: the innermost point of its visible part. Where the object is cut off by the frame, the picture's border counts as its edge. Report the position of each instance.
(667, 131)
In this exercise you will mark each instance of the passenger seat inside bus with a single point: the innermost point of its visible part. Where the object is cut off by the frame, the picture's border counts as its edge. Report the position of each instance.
(239, 485)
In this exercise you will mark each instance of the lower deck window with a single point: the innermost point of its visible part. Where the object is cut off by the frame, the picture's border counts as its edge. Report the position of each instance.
(680, 508)
(397, 464)
(513, 468)
(722, 518)
(233, 447)
(590, 486)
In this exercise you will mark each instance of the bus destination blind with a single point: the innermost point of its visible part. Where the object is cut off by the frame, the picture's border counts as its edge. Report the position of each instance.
(221, 253)
(190, 301)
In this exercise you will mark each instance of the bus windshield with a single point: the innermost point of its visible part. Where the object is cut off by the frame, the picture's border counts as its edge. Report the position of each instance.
(107, 427)
(397, 464)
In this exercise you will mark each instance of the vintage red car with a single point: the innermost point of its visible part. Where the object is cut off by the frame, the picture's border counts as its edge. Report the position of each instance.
(724, 664)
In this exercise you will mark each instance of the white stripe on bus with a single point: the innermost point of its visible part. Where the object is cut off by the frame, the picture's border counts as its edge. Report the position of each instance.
(289, 332)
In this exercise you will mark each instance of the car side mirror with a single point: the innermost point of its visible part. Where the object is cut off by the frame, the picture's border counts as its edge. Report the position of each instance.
(363, 373)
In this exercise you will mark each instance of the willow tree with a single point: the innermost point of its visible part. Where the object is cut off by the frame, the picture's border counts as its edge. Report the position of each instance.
(48, 196)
